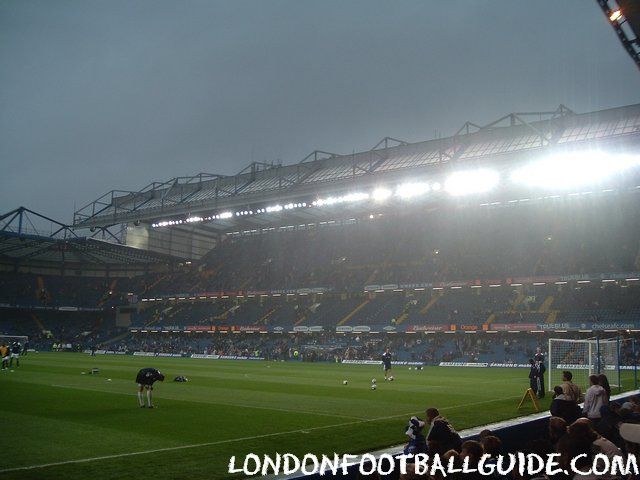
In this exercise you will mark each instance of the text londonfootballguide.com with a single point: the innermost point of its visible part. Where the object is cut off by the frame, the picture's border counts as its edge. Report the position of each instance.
(532, 464)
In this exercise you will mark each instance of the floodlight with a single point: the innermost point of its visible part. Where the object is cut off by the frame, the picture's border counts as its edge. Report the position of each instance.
(573, 169)
(355, 197)
(381, 194)
(471, 181)
(352, 197)
(410, 190)
(615, 15)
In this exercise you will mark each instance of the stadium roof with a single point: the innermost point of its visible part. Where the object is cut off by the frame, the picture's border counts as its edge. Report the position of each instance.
(22, 242)
(512, 139)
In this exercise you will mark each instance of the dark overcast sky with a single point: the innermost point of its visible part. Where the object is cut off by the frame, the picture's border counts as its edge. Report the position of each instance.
(101, 95)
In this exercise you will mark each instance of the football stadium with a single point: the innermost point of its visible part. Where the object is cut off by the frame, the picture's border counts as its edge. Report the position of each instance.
(446, 296)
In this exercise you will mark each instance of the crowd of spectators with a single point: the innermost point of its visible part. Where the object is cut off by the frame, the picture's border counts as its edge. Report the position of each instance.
(583, 436)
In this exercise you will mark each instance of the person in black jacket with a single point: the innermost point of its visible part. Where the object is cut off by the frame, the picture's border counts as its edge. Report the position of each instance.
(16, 349)
(441, 436)
(541, 370)
(145, 380)
(563, 407)
(533, 376)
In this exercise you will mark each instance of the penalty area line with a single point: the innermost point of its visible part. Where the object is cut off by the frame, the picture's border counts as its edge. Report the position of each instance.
(231, 440)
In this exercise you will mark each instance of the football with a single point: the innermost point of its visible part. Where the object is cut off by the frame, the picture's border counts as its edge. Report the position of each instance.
(391, 378)
(373, 380)
(373, 386)
(344, 382)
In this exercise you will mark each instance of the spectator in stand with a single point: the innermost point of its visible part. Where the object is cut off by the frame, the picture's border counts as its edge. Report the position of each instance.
(573, 447)
(557, 430)
(594, 399)
(417, 442)
(441, 436)
(630, 433)
(473, 451)
(570, 390)
(457, 463)
(583, 428)
(492, 446)
(604, 383)
(564, 408)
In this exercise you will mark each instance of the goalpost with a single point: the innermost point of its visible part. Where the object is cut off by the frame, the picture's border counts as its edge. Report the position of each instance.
(585, 357)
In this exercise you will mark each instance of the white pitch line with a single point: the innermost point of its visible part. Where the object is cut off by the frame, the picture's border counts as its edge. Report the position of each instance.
(196, 445)
(309, 412)
(232, 440)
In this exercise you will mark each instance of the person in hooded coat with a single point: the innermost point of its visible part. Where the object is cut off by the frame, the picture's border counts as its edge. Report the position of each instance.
(594, 399)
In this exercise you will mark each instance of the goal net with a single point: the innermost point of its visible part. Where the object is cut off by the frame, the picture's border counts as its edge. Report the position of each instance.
(583, 358)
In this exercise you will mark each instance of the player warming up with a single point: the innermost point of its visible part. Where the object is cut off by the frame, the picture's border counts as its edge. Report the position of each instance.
(386, 362)
(4, 355)
(145, 379)
(16, 348)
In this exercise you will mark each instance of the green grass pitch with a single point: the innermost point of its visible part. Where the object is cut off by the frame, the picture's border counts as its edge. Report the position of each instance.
(51, 414)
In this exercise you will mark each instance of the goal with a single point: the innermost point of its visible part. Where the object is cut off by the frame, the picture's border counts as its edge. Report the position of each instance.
(584, 357)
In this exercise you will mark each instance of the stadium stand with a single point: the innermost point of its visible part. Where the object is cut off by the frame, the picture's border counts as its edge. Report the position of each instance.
(217, 254)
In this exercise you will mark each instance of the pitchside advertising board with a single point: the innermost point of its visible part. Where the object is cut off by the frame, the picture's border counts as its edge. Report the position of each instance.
(378, 362)
(428, 328)
(526, 365)
(105, 352)
(357, 362)
(483, 364)
(591, 277)
(202, 328)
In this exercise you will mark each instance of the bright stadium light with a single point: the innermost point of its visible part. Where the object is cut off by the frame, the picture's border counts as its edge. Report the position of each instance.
(471, 181)
(352, 197)
(355, 197)
(381, 194)
(615, 15)
(411, 190)
(573, 169)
